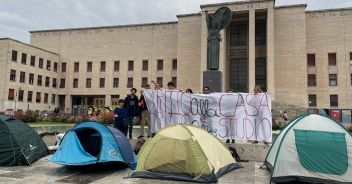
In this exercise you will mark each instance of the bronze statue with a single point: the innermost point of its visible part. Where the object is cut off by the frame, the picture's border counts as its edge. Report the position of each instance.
(215, 23)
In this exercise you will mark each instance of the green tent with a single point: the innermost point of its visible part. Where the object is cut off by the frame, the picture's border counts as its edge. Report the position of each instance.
(19, 143)
(184, 152)
(311, 148)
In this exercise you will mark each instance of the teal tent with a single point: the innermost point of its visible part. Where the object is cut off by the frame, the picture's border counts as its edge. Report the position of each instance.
(19, 143)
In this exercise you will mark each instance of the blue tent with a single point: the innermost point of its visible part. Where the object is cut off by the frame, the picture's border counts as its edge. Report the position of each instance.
(91, 143)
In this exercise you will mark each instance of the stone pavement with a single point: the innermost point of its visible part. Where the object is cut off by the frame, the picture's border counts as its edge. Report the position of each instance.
(44, 171)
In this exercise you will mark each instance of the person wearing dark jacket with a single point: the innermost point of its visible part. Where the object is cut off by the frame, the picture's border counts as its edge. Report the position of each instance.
(131, 104)
(120, 114)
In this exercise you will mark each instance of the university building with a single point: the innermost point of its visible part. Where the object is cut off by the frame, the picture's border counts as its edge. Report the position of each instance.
(299, 57)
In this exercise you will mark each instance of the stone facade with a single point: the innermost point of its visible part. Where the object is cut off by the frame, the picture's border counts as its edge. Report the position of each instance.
(292, 32)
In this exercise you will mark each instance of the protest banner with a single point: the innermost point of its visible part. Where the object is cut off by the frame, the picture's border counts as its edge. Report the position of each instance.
(226, 115)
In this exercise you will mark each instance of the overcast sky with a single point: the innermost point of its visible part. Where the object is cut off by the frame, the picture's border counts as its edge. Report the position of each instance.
(17, 17)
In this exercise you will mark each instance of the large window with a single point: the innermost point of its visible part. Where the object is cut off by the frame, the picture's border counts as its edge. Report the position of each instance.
(46, 98)
(312, 100)
(116, 83)
(39, 80)
(260, 32)
(145, 65)
(102, 83)
(174, 64)
(41, 62)
(88, 83)
(144, 81)
(89, 66)
(30, 95)
(48, 65)
(130, 65)
(117, 66)
(31, 78)
(238, 35)
(76, 67)
(13, 75)
(32, 61)
(62, 83)
(54, 83)
(332, 79)
(75, 83)
(24, 58)
(63, 67)
(14, 56)
(20, 95)
(160, 64)
(102, 66)
(38, 97)
(311, 60)
(312, 81)
(22, 77)
(47, 81)
(11, 95)
(159, 80)
(130, 82)
(332, 59)
(334, 101)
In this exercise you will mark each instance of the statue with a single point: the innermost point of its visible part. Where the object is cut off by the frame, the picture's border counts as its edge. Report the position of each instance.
(216, 22)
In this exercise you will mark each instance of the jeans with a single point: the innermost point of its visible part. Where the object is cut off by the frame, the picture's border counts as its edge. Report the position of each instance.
(130, 124)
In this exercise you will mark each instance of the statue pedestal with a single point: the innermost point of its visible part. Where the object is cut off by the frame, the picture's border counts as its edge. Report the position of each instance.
(213, 79)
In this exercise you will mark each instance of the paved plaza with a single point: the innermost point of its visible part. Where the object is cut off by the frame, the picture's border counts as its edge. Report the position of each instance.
(44, 171)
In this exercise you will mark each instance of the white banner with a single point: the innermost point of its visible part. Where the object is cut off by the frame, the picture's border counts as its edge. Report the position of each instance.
(226, 115)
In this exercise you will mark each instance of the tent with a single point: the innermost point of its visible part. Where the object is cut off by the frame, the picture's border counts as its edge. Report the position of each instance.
(184, 152)
(19, 143)
(311, 148)
(90, 143)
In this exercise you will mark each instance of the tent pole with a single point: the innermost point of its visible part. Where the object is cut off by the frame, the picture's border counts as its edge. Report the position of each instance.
(26, 158)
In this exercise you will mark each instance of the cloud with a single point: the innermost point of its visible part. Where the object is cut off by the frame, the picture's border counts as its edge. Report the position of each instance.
(17, 17)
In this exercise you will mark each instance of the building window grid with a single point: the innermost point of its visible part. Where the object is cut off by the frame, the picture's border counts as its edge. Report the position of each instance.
(75, 83)
(53, 99)
(24, 58)
(76, 67)
(117, 66)
(130, 82)
(174, 64)
(11, 95)
(160, 64)
(20, 95)
(55, 66)
(22, 77)
(88, 83)
(32, 63)
(130, 65)
(31, 78)
(13, 75)
(46, 98)
(312, 81)
(89, 66)
(332, 59)
(39, 80)
(312, 100)
(311, 60)
(54, 82)
(29, 96)
(102, 83)
(38, 97)
(174, 80)
(332, 79)
(63, 67)
(41, 63)
(145, 65)
(62, 83)
(102, 66)
(47, 81)
(144, 81)
(159, 80)
(14, 55)
(334, 102)
(116, 83)
(48, 65)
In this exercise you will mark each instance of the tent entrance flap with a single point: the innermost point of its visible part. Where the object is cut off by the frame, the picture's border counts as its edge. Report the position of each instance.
(318, 151)
(90, 139)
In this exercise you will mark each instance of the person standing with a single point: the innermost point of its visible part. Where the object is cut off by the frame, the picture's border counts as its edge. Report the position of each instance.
(131, 104)
(145, 119)
(120, 114)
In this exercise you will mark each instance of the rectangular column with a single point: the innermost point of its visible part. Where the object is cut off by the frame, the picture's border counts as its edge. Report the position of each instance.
(270, 69)
(251, 51)
(108, 100)
(68, 104)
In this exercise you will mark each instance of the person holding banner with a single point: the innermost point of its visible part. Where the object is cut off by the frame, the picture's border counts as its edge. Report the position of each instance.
(131, 103)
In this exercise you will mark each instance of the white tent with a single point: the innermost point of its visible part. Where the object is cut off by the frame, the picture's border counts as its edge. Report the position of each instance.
(311, 148)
